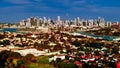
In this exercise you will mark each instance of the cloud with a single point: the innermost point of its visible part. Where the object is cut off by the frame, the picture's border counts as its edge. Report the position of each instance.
(79, 2)
(106, 10)
(12, 10)
(17, 1)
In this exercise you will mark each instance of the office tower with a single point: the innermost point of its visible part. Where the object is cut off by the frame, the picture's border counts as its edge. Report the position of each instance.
(86, 23)
(110, 24)
(95, 22)
(90, 22)
(58, 20)
(102, 25)
(40, 21)
(69, 22)
(28, 24)
(66, 22)
(32, 21)
(75, 21)
(49, 21)
(82, 22)
(78, 21)
(117, 23)
(22, 23)
(107, 24)
(36, 21)
(101, 22)
(44, 21)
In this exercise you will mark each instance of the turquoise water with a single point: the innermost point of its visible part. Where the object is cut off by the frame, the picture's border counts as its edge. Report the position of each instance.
(110, 38)
(9, 29)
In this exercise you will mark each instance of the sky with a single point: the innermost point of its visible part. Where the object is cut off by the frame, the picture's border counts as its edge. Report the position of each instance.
(12, 11)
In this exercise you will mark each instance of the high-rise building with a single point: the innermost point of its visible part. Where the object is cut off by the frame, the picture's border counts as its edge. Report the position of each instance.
(22, 23)
(44, 21)
(36, 21)
(78, 21)
(107, 24)
(117, 22)
(95, 23)
(75, 21)
(90, 22)
(28, 24)
(49, 21)
(41, 21)
(110, 24)
(32, 21)
(101, 22)
(58, 20)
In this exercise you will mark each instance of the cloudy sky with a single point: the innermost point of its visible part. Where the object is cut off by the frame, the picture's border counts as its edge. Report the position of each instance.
(16, 10)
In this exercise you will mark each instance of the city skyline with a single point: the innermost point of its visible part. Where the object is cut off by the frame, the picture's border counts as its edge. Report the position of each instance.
(16, 10)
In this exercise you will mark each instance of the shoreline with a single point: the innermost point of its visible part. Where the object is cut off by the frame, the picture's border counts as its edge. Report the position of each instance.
(84, 34)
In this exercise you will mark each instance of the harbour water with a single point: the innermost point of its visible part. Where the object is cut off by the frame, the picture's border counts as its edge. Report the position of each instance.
(110, 38)
(9, 30)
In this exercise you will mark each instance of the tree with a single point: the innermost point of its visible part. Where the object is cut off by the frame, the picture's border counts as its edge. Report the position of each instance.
(115, 49)
(9, 59)
(116, 33)
(2, 36)
(76, 43)
(36, 44)
(6, 42)
(27, 59)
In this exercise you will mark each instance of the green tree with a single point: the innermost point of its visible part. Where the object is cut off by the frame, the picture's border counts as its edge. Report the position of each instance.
(6, 42)
(115, 49)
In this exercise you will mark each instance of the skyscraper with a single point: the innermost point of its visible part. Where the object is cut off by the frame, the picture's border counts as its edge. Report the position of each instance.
(22, 23)
(78, 21)
(49, 21)
(37, 21)
(90, 22)
(58, 20)
(41, 21)
(44, 21)
(32, 21)
(28, 23)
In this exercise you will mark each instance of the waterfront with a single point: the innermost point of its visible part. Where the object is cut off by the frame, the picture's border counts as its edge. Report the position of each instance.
(60, 34)
(60, 47)
(106, 37)
(9, 30)
(109, 38)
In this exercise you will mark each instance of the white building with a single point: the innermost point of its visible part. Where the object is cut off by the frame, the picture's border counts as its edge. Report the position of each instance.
(78, 21)
(58, 20)
(44, 21)
(28, 24)
(90, 22)
(37, 21)
(49, 21)
(22, 23)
